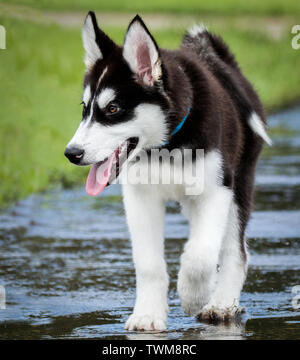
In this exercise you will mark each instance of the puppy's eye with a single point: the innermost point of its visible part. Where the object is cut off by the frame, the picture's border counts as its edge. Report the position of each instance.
(113, 109)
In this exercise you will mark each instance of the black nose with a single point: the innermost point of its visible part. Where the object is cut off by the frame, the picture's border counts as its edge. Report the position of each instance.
(75, 155)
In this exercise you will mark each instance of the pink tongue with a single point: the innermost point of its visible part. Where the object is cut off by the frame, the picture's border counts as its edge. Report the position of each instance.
(99, 175)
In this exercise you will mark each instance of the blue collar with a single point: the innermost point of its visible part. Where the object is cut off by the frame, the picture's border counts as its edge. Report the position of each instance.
(179, 126)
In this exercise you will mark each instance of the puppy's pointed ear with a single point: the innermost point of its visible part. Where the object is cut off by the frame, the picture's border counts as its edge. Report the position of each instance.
(96, 43)
(141, 52)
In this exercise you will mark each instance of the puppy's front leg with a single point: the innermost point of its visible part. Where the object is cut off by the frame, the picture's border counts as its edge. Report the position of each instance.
(197, 276)
(145, 216)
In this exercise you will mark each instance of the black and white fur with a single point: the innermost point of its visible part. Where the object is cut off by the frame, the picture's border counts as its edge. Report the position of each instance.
(153, 89)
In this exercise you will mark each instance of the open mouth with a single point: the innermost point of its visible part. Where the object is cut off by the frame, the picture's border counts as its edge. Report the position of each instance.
(106, 171)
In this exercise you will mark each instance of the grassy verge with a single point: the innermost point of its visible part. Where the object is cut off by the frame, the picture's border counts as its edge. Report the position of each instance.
(231, 7)
(40, 77)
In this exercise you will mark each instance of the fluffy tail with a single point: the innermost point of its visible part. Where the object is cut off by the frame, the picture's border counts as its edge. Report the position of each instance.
(208, 45)
(215, 52)
(258, 127)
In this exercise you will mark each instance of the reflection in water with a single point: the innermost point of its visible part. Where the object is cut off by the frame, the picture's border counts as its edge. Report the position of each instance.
(66, 264)
(232, 331)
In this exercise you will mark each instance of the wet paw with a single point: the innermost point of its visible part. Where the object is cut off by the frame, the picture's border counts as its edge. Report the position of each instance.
(145, 323)
(214, 314)
(194, 284)
(191, 299)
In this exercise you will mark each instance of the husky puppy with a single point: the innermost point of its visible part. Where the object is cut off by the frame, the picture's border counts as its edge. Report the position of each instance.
(142, 97)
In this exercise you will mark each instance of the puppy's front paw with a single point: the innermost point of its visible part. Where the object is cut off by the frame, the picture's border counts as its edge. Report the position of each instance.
(191, 296)
(146, 322)
(194, 283)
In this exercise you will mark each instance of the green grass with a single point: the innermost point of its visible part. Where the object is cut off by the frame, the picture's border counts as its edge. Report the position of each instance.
(40, 75)
(40, 89)
(271, 7)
